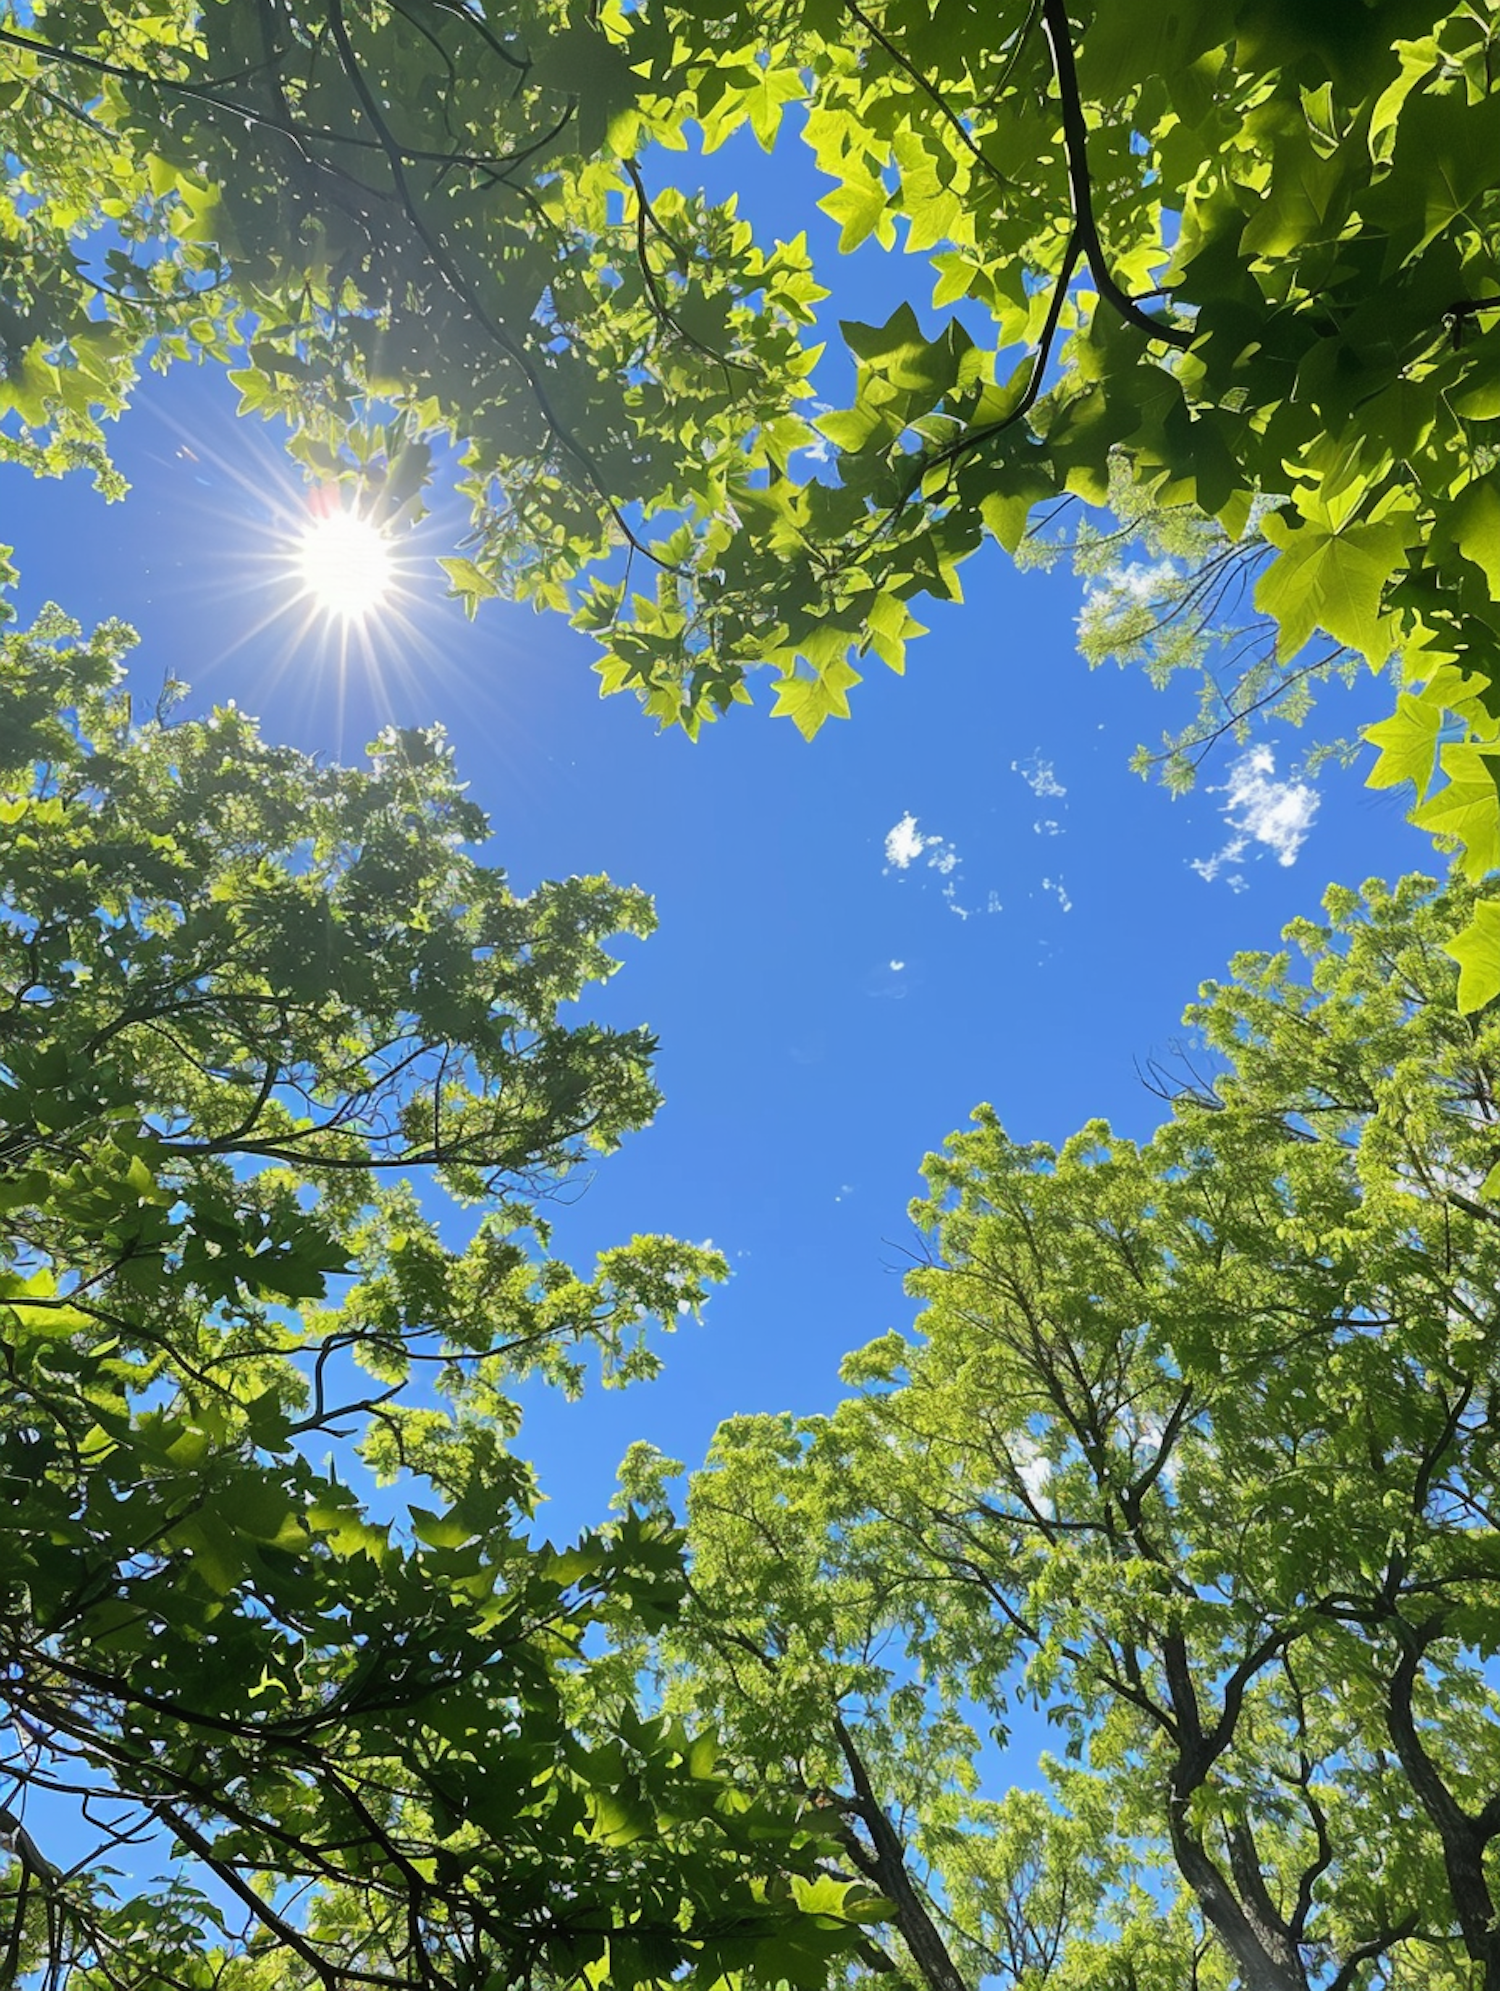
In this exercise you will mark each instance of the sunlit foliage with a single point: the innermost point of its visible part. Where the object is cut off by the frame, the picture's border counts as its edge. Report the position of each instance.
(1248, 250)
(1192, 1452)
(282, 1078)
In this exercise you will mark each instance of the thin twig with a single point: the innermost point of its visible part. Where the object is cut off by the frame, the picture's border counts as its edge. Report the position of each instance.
(928, 89)
(465, 292)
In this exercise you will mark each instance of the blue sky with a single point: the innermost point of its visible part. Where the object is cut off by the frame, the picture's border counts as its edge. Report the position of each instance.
(963, 894)
(827, 1013)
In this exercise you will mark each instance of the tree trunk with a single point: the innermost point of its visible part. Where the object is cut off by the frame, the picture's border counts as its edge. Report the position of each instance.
(887, 1869)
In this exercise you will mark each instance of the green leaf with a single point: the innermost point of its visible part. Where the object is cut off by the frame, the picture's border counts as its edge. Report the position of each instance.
(1477, 951)
(1475, 525)
(808, 700)
(468, 584)
(439, 1531)
(1467, 808)
(1331, 581)
(861, 208)
(1408, 743)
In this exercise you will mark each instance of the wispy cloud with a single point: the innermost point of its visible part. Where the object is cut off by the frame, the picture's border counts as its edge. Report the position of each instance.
(1276, 813)
(1040, 777)
(819, 450)
(1134, 583)
(890, 982)
(906, 845)
(1064, 903)
(1259, 809)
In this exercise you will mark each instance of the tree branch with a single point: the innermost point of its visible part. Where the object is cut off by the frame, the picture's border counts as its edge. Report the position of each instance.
(1075, 142)
(465, 292)
(1461, 1837)
(928, 89)
(664, 313)
(1366, 1952)
(889, 1871)
(975, 438)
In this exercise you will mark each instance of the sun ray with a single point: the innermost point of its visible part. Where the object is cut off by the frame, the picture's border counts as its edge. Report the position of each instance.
(263, 625)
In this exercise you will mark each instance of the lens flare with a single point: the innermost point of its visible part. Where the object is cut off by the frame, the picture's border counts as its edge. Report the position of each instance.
(345, 564)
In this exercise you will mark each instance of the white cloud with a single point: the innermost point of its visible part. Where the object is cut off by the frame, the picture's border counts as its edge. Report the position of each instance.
(1208, 868)
(1039, 775)
(889, 983)
(1064, 903)
(1260, 809)
(1132, 582)
(905, 843)
(1047, 826)
(1276, 813)
(819, 450)
(1033, 1469)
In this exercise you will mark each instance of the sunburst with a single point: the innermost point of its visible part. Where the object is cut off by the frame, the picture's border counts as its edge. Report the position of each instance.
(346, 565)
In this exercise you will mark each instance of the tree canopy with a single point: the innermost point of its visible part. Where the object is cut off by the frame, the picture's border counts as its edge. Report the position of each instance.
(1247, 253)
(271, 1726)
(1192, 1452)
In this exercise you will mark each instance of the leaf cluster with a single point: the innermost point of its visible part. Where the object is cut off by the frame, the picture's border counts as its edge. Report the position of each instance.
(257, 1013)
(1193, 1453)
(1250, 255)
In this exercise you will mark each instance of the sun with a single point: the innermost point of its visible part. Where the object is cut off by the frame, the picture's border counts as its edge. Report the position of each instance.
(346, 565)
